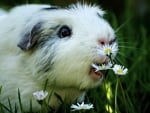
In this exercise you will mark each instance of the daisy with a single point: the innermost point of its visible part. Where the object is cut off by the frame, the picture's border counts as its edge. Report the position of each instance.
(40, 95)
(81, 106)
(119, 70)
(107, 49)
(102, 66)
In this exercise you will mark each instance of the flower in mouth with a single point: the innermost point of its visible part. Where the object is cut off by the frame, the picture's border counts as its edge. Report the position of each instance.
(104, 66)
(81, 106)
(107, 49)
(119, 70)
(40, 95)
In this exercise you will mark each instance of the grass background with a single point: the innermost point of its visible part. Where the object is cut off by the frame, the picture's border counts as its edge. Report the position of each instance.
(131, 20)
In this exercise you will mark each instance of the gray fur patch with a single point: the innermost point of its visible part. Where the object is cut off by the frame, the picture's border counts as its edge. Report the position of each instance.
(48, 54)
(30, 38)
(99, 15)
(50, 8)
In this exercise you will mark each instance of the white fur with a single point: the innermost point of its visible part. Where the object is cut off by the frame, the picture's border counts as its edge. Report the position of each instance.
(3, 14)
(72, 59)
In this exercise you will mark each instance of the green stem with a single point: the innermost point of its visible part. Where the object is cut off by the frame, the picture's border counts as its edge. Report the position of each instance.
(122, 90)
(116, 89)
(111, 60)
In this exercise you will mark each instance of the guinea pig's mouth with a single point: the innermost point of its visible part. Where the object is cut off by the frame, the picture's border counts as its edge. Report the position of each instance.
(97, 75)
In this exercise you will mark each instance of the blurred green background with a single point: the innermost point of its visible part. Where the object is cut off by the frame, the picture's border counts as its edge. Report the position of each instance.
(132, 18)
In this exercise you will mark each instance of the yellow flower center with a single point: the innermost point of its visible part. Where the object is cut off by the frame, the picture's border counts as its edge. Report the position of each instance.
(119, 71)
(107, 50)
(103, 66)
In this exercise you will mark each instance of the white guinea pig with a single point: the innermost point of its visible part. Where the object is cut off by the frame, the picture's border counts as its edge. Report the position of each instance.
(40, 42)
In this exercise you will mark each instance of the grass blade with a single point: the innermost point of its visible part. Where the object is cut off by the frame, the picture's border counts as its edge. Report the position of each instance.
(20, 103)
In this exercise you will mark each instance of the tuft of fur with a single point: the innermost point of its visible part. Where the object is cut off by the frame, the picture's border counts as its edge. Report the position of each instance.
(32, 52)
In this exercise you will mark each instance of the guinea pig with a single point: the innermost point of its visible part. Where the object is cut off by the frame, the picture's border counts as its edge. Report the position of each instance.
(43, 42)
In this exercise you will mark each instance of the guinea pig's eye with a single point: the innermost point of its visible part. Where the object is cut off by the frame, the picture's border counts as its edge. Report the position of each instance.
(64, 31)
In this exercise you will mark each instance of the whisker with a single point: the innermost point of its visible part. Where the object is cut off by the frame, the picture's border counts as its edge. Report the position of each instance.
(118, 60)
(123, 55)
(123, 42)
(122, 25)
(124, 39)
(129, 47)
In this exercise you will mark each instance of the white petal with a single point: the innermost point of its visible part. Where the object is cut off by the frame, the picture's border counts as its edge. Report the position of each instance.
(40, 95)
(125, 70)
(74, 106)
(119, 67)
(96, 67)
(81, 106)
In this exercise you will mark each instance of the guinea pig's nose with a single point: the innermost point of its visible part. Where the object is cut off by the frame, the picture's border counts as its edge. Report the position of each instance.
(102, 42)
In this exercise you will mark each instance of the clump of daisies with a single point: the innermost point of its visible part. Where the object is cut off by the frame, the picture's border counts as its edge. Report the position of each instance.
(110, 51)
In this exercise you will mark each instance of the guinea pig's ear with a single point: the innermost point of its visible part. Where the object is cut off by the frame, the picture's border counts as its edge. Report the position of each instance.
(30, 37)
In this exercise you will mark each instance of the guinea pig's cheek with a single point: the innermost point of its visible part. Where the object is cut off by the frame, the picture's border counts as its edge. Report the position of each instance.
(95, 75)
